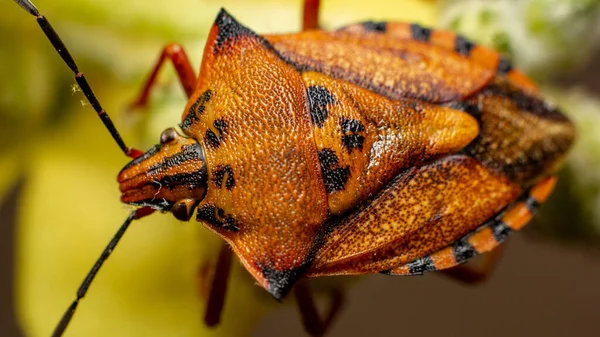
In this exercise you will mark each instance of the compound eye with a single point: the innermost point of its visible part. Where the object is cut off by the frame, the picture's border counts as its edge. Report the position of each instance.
(168, 136)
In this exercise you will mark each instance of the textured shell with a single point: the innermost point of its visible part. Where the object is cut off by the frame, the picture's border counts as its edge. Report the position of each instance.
(363, 149)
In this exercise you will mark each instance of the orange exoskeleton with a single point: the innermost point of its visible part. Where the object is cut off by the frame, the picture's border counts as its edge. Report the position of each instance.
(380, 147)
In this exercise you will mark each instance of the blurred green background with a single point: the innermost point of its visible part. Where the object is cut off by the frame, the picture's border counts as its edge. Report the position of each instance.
(60, 202)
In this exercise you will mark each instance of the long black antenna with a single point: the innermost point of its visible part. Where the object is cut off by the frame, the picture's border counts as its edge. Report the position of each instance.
(79, 77)
(83, 288)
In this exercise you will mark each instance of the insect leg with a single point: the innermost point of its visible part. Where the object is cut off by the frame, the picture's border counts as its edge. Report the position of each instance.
(185, 72)
(308, 311)
(60, 47)
(310, 18)
(82, 291)
(218, 287)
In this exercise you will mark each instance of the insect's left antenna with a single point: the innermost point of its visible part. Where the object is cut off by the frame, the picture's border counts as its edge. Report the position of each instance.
(79, 77)
(83, 288)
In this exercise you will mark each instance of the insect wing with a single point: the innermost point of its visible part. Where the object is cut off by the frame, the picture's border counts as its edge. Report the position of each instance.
(424, 210)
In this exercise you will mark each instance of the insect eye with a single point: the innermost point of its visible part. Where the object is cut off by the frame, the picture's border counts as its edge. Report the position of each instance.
(168, 136)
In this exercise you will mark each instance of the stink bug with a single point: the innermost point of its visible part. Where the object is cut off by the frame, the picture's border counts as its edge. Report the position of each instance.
(380, 147)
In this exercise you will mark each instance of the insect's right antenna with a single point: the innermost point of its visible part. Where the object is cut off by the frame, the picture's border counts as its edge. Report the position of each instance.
(79, 77)
(83, 288)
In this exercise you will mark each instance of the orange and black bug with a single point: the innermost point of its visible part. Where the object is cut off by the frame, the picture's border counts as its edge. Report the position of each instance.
(380, 147)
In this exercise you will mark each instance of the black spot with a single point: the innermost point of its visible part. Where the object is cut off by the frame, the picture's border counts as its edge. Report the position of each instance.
(334, 177)
(463, 250)
(217, 217)
(229, 30)
(188, 121)
(500, 230)
(504, 65)
(219, 175)
(211, 138)
(375, 26)
(463, 46)
(421, 265)
(196, 110)
(532, 204)
(351, 139)
(420, 33)
(220, 125)
(319, 98)
(280, 282)
(351, 125)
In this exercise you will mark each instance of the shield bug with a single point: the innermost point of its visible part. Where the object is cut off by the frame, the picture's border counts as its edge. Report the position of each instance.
(380, 147)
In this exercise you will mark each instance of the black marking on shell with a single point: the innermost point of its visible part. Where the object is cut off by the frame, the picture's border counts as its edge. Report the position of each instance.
(334, 177)
(219, 175)
(420, 33)
(532, 204)
(375, 26)
(351, 125)
(421, 265)
(230, 30)
(192, 180)
(211, 138)
(220, 125)
(504, 65)
(500, 230)
(280, 282)
(320, 99)
(463, 46)
(463, 250)
(196, 110)
(154, 150)
(191, 152)
(351, 138)
(353, 141)
(217, 217)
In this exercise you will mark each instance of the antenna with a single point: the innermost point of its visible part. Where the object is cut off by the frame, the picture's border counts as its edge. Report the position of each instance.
(79, 77)
(83, 288)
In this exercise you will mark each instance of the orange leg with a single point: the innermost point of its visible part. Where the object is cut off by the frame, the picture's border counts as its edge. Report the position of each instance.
(308, 311)
(216, 288)
(475, 272)
(182, 65)
(310, 19)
